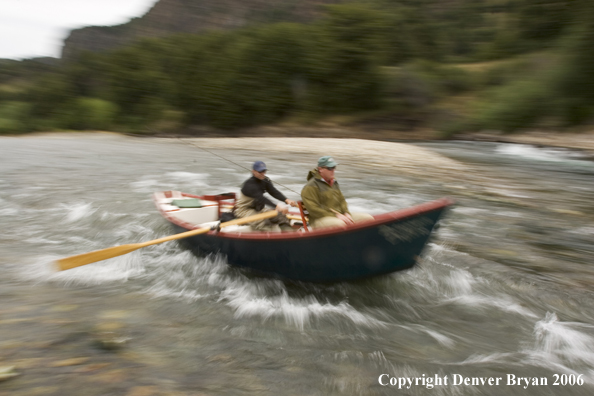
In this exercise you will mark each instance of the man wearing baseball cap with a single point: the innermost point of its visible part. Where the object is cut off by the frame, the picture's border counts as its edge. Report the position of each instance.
(252, 200)
(324, 200)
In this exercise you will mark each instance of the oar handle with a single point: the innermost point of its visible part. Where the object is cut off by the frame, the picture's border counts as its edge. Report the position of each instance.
(295, 217)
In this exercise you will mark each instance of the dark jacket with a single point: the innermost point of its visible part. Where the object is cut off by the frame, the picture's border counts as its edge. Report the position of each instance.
(319, 197)
(255, 188)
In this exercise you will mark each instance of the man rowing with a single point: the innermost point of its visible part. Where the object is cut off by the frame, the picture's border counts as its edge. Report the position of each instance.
(252, 201)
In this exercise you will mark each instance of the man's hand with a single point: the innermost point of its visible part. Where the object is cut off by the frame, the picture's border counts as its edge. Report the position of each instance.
(282, 208)
(345, 217)
(291, 202)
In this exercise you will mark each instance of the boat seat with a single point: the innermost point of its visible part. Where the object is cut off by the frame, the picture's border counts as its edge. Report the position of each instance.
(197, 216)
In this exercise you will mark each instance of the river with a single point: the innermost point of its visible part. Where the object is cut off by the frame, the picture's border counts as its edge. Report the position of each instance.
(503, 290)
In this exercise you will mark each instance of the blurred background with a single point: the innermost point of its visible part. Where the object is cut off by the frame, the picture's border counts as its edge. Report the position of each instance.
(197, 65)
(503, 287)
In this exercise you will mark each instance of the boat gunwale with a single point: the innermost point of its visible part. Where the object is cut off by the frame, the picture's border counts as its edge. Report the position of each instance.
(380, 219)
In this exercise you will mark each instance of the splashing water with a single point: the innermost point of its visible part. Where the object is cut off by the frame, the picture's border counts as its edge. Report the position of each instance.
(506, 263)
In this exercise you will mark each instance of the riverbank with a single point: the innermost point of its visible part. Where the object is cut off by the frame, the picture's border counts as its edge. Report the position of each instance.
(571, 140)
(375, 155)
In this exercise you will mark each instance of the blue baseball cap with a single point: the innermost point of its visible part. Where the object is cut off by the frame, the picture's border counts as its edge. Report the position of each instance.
(259, 166)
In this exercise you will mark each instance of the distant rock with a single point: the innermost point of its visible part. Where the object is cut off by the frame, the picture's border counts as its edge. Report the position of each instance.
(168, 17)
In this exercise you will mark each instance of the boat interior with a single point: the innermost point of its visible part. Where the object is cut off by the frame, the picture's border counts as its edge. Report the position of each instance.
(203, 211)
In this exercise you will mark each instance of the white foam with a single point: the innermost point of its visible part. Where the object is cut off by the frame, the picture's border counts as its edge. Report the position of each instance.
(184, 294)
(561, 345)
(440, 338)
(179, 274)
(110, 215)
(146, 185)
(380, 360)
(516, 215)
(468, 210)
(502, 303)
(459, 282)
(8, 211)
(188, 177)
(540, 154)
(367, 206)
(459, 287)
(502, 191)
(583, 230)
(296, 311)
(498, 358)
(444, 248)
(41, 240)
(134, 231)
(78, 211)
(78, 240)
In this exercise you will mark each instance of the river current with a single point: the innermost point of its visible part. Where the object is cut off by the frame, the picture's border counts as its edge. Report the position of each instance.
(503, 290)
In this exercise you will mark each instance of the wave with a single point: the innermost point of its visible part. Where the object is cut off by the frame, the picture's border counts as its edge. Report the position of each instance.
(567, 157)
(561, 345)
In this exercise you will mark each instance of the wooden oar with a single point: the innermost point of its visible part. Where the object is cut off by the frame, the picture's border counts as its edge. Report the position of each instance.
(295, 217)
(104, 254)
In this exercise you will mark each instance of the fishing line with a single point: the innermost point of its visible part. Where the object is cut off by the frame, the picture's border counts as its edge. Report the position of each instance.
(235, 163)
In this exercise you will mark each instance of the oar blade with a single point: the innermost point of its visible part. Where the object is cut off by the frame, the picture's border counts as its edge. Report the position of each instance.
(104, 254)
(97, 255)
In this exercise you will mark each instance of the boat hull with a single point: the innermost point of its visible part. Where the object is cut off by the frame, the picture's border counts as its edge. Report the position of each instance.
(392, 242)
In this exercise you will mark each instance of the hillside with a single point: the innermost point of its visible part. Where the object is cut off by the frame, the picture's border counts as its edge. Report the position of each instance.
(455, 66)
(168, 17)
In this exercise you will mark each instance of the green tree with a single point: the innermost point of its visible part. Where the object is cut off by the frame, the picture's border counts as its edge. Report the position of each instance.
(207, 82)
(49, 98)
(576, 79)
(92, 113)
(270, 78)
(87, 74)
(543, 20)
(344, 74)
(138, 86)
(14, 117)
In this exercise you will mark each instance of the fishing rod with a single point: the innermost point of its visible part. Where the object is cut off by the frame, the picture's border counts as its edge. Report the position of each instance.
(233, 162)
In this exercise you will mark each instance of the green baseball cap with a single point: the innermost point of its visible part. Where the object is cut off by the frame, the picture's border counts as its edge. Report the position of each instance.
(327, 162)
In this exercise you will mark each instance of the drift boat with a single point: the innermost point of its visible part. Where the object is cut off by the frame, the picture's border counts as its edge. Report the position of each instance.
(391, 242)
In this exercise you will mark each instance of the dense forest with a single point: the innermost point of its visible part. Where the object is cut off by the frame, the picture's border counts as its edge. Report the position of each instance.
(449, 65)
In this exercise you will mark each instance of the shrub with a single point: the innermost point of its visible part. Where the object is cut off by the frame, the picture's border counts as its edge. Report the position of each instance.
(408, 88)
(517, 105)
(14, 117)
(575, 81)
(93, 113)
(170, 121)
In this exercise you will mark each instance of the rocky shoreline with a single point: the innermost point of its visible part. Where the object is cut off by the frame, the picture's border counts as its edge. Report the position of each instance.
(577, 141)
(583, 141)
